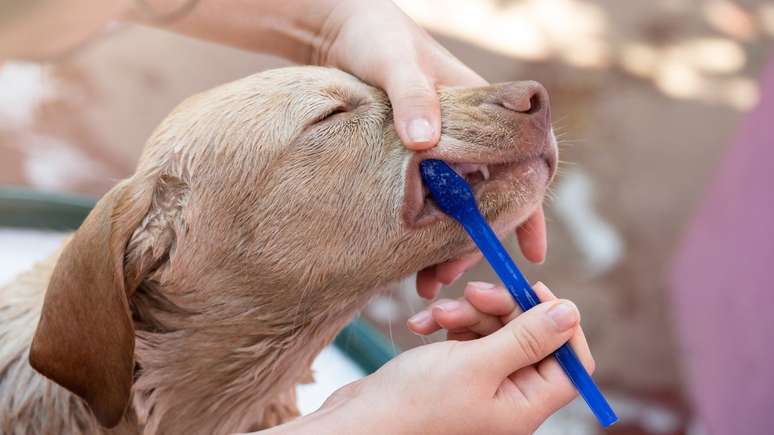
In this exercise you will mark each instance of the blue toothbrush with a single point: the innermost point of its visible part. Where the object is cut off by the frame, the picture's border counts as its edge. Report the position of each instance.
(453, 196)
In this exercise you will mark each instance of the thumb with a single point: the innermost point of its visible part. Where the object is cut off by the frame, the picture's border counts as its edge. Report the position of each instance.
(528, 338)
(415, 106)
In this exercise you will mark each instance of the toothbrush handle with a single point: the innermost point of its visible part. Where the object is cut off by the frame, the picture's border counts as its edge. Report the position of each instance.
(522, 292)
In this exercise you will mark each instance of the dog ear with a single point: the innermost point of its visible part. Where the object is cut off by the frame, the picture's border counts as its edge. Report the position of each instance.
(85, 338)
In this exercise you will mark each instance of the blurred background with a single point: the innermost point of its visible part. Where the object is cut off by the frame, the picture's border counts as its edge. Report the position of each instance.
(647, 98)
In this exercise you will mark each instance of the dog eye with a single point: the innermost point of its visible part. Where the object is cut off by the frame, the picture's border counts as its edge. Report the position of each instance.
(338, 110)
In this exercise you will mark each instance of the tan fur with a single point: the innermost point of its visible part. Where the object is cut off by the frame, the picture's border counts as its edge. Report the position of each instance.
(260, 234)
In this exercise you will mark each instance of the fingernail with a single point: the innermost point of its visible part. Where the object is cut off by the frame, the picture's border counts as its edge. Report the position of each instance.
(482, 285)
(449, 306)
(420, 130)
(564, 315)
(420, 318)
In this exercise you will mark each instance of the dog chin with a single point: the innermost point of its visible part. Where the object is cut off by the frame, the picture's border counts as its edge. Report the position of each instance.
(503, 217)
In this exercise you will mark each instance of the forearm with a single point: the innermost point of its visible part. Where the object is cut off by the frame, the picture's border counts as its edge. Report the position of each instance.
(287, 28)
(320, 422)
(342, 419)
(45, 30)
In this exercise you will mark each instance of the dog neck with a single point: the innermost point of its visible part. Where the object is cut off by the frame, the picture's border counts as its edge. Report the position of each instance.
(224, 368)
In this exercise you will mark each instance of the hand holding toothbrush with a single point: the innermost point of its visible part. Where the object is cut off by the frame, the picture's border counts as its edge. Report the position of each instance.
(491, 377)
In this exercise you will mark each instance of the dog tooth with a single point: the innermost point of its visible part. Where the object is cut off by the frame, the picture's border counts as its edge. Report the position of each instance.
(484, 171)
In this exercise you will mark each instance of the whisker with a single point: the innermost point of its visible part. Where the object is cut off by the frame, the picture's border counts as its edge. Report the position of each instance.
(573, 142)
(560, 119)
(392, 339)
(550, 195)
(413, 310)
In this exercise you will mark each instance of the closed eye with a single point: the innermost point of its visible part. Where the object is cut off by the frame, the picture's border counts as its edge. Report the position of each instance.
(338, 110)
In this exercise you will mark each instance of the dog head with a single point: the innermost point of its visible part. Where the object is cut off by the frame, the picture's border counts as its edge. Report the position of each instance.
(288, 181)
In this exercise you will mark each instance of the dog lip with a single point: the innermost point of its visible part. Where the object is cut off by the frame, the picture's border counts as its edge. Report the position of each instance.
(417, 213)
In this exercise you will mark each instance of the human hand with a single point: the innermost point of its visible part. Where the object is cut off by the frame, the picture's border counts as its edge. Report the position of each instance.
(373, 40)
(378, 43)
(491, 377)
(495, 379)
(483, 309)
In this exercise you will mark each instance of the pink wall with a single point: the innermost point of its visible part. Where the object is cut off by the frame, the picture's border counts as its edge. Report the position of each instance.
(723, 290)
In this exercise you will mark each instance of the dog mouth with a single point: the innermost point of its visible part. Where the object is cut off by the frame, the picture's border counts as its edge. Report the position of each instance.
(531, 174)
(484, 176)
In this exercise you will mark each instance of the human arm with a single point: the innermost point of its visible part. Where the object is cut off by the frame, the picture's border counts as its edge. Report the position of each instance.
(492, 375)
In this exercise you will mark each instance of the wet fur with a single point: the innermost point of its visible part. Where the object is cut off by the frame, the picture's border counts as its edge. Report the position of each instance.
(247, 238)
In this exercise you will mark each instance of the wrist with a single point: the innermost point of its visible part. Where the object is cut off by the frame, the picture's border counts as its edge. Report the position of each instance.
(340, 419)
(363, 417)
(353, 414)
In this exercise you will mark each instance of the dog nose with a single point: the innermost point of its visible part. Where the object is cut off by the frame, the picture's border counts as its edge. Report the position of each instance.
(528, 97)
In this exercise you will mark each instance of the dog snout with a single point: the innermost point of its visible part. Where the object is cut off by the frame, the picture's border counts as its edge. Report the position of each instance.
(528, 98)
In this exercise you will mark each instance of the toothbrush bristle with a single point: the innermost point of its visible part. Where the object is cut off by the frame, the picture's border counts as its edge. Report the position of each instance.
(451, 193)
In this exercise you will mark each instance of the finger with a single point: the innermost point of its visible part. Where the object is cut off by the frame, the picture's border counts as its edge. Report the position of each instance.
(415, 105)
(550, 369)
(551, 389)
(491, 299)
(427, 285)
(455, 73)
(578, 341)
(552, 373)
(527, 339)
(461, 316)
(462, 336)
(532, 236)
(542, 292)
(451, 71)
(450, 271)
(422, 323)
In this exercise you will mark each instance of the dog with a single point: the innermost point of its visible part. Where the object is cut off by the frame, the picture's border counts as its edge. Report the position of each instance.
(263, 215)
